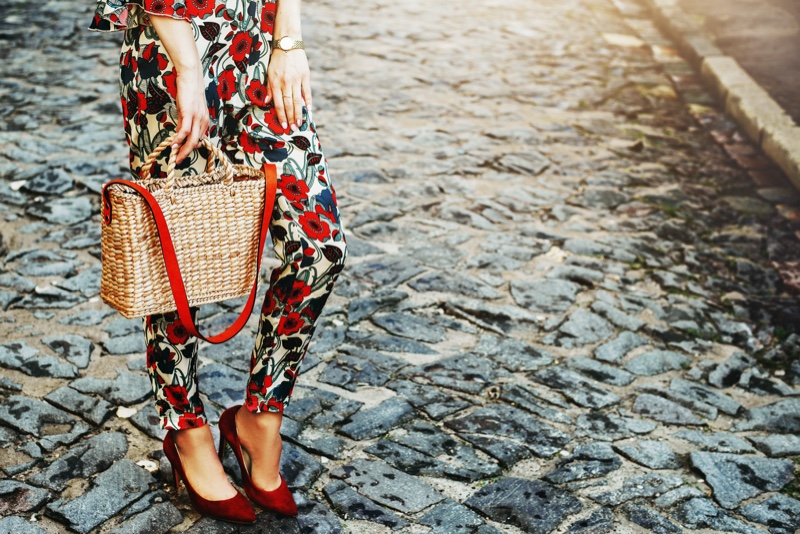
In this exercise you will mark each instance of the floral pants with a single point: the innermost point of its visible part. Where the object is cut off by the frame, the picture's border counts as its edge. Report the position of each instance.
(233, 38)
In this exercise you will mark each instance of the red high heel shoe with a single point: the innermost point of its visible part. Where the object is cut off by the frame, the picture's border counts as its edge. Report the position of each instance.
(235, 510)
(279, 500)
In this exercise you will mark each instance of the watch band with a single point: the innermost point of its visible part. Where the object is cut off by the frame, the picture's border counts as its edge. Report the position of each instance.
(296, 45)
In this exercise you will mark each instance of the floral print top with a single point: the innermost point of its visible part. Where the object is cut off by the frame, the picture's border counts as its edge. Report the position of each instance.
(113, 15)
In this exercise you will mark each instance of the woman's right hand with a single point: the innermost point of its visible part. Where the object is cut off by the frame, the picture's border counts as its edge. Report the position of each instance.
(177, 37)
(193, 117)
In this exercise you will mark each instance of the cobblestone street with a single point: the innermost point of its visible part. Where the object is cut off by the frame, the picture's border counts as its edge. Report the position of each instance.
(569, 304)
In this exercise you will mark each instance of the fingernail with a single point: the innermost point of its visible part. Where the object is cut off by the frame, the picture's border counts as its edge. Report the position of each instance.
(284, 125)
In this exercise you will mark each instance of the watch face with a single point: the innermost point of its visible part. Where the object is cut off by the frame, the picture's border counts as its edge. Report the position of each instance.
(285, 43)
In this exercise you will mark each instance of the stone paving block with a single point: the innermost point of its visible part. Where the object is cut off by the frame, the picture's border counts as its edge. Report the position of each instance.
(350, 504)
(67, 211)
(361, 308)
(433, 402)
(513, 354)
(83, 460)
(716, 441)
(372, 422)
(469, 373)
(46, 422)
(575, 387)
(650, 519)
(777, 445)
(386, 342)
(112, 490)
(650, 453)
(96, 411)
(701, 512)
(316, 517)
(702, 393)
(48, 298)
(266, 523)
(410, 326)
(148, 421)
(600, 522)
(582, 328)
(360, 366)
(299, 468)
(527, 398)
(19, 498)
(609, 427)
(664, 410)
(638, 486)
(73, 348)
(451, 517)
(532, 505)
(782, 417)
(656, 362)
(127, 344)
(19, 525)
(158, 519)
(780, 512)
(587, 461)
(735, 478)
(497, 318)
(600, 371)
(545, 295)
(22, 357)
(125, 389)
(617, 317)
(500, 430)
(387, 486)
(453, 282)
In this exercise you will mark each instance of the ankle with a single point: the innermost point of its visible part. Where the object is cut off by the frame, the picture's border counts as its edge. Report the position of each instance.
(263, 421)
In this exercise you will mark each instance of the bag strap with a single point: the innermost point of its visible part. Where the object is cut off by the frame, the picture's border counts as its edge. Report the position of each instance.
(171, 260)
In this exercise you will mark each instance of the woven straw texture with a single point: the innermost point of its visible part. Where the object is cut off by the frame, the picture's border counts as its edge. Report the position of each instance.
(214, 220)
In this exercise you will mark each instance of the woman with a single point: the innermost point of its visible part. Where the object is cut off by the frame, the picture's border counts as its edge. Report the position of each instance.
(204, 68)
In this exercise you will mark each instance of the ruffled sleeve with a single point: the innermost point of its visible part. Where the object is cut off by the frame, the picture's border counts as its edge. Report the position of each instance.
(113, 15)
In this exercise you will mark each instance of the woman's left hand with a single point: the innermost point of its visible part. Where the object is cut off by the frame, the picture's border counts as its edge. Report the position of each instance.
(289, 86)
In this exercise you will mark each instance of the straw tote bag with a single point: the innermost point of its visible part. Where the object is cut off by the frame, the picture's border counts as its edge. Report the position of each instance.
(171, 243)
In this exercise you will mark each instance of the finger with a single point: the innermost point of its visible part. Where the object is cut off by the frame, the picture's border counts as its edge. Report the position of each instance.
(280, 112)
(269, 95)
(191, 140)
(307, 92)
(184, 129)
(288, 105)
(298, 105)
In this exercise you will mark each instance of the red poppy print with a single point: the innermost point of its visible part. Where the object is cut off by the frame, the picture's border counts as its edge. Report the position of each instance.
(272, 121)
(293, 189)
(226, 84)
(257, 92)
(247, 143)
(199, 8)
(300, 290)
(314, 227)
(177, 333)
(177, 396)
(268, 17)
(240, 46)
(290, 324)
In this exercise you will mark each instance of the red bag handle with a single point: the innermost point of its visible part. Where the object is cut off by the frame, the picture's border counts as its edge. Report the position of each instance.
(171, 260)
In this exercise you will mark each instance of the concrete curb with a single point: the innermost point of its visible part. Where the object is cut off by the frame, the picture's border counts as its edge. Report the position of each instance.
(763, 119)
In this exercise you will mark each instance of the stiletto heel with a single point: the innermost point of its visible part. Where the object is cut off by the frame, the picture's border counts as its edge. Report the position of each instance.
(236, 509)
(221, 452)
(176, 481)
(279, 500)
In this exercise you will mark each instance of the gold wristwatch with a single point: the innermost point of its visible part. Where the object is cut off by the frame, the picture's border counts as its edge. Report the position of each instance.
(287, 43)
